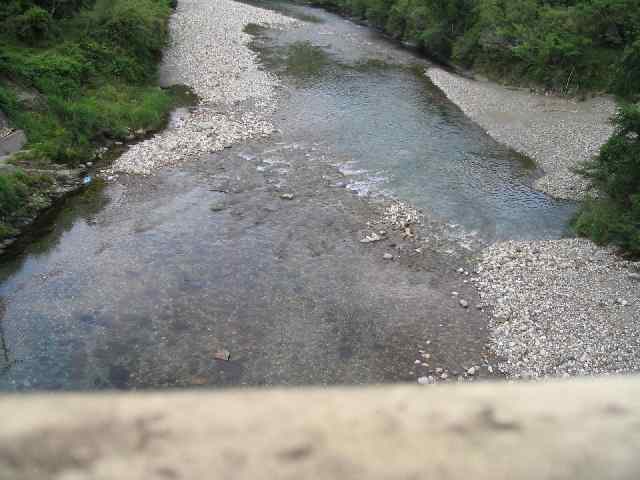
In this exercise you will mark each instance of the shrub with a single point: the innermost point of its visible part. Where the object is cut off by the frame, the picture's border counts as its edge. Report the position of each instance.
(93, 79)
(13, 192)
(615, 218)
(33, 26)
(627, 75)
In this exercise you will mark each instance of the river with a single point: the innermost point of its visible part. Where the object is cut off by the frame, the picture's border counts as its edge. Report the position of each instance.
(141, 283)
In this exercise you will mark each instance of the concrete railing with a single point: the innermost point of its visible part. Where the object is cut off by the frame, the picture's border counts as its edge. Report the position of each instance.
(588, 429)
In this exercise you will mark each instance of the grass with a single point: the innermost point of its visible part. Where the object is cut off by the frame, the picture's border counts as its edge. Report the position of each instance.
(86, 78)
(20, 196)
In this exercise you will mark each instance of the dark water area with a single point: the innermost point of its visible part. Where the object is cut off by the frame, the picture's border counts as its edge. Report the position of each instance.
(140, 283)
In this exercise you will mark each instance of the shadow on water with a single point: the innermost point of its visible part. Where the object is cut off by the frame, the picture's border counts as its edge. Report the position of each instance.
(47, 231)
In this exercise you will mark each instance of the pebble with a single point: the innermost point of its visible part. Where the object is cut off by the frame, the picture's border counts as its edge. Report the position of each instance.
(287, 196)
(464, 304)
(217, 206)
(387, 256)
(553, 302)
(373, 237)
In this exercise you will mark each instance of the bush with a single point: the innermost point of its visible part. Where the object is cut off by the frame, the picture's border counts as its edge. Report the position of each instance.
(94, 77)
(13, 192)
(567, 45)
(33, 26)
(615, 218)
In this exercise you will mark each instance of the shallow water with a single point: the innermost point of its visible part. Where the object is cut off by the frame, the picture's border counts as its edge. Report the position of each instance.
(370, 104)
(138, 283)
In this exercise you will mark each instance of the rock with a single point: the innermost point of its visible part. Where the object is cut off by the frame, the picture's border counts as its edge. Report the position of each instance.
(217, 206)
(417, 362)
(12, 142)
(374, 237)
(634, 276)
(425, 381)
(224, 355)
(464, 304)
(471, 371)
(454, 294)
(286, 196)
(387, 256)
(439, 370)
(460, 270)
(444, 376)
(199, 380)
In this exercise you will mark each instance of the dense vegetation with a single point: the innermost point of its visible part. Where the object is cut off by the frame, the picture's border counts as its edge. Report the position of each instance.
(614, 217)
(566, 45)
(75, 72)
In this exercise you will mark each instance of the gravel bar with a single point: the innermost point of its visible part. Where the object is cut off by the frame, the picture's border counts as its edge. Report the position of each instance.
(559, 307)
(209, 53)
(558, 133)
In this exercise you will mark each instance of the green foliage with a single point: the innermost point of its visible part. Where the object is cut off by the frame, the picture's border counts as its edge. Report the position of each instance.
(567, 45)
(18, 195)
(33, 26)
(93, 74)
(615, 218)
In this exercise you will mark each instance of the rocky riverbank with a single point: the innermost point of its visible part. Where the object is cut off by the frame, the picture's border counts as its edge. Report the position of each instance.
(562, 307)
(209, 54)
(558, 133)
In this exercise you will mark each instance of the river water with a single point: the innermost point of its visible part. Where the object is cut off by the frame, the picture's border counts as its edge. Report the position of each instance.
(138, 284)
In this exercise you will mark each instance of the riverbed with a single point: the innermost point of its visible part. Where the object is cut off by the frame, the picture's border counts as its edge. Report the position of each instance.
(246, 265)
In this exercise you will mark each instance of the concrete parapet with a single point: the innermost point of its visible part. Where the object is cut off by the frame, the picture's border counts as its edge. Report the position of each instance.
(587, 429)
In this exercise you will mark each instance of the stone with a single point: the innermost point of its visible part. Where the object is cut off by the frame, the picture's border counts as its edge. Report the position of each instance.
(12, 143)
(387, 256)
(634, 276)
(464, 304)
(223, 355)
(286, 196)
(374, 237)
(424, 381)
(217, 206)
(471, 371)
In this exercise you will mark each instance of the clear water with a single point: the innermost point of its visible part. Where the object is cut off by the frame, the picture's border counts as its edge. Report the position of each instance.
(137, 284)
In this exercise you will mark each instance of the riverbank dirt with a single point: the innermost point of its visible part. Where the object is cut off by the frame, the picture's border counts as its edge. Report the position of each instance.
(562, 307)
